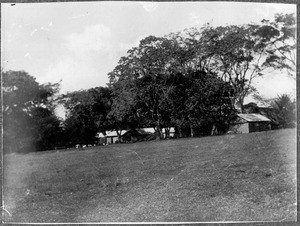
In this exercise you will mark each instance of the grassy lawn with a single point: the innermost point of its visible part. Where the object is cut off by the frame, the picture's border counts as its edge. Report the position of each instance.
(243, 177)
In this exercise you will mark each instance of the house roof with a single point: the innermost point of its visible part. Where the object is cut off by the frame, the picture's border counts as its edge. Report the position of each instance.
(254, 117)
(140, 130)
(149, 130)
(114, 133)
(143, 132)
(99, 135)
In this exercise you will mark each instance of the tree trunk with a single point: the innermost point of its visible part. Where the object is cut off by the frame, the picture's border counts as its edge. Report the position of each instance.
(167, 133)
(159, 133)
(192, 131)
(119, 135)
(180, 132)
(241, 103)
(213, 129)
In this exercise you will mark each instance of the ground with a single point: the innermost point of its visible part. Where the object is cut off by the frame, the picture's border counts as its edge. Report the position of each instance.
(240, 177)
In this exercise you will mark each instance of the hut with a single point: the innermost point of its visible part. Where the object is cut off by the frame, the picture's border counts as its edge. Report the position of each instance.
(248, 123)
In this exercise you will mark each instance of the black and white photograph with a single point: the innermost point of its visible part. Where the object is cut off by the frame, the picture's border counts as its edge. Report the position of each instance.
(149, 112)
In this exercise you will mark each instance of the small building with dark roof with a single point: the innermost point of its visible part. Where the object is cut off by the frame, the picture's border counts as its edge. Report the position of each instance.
(248, 123)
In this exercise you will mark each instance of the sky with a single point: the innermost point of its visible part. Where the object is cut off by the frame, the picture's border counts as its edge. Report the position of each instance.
(79, 43)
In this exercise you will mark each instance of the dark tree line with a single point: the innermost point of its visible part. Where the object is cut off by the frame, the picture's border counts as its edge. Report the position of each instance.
(194, 80)
(29, 122)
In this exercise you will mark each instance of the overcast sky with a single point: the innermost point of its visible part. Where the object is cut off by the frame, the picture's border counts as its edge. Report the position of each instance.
(81, 42)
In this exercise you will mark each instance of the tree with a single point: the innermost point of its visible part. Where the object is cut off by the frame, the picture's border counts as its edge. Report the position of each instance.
(285, 110)
(208, 105)
(236, 56)
(48, 129)
(137, 82)
(26, 104)
(87, 114)
(239, 54)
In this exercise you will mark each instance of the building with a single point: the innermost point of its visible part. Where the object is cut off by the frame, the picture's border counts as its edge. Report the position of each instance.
(134, 135)
(111, 137)
(168, 132)
(143, 134)
(248, 123)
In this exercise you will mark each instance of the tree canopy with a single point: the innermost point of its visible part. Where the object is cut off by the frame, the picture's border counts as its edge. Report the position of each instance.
(87, 114)
(279, 37)
(147, 81)
(29, 122)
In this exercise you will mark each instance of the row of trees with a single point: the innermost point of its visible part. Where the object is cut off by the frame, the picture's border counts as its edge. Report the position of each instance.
(199, 77)
(195, 80)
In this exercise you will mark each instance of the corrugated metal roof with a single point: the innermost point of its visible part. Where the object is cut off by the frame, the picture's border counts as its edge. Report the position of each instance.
(114, 133)
(254, 117)
(149, 130)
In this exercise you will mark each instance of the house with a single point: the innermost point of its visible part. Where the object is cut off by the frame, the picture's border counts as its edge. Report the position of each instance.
(166, 132)
(111, 137)
(141, 134)
(269, 112)
(248, 123)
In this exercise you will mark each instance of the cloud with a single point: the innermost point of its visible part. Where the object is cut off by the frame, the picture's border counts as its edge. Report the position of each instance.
(273, 85)
(75, 74)
(93, 38)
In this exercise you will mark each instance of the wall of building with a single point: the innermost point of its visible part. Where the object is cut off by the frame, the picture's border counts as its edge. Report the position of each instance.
(241, 128)
(259, 126)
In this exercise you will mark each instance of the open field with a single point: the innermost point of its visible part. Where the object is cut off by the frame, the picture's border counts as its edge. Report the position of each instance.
(243, 177)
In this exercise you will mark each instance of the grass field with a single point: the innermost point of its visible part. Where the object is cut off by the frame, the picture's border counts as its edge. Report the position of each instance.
(242, 177)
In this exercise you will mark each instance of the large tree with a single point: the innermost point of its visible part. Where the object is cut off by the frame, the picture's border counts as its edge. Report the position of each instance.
(232, 52)
(137, 82)
(239, 54)
(29, 122)
(208, 105)
(87, 114)
(285, 110)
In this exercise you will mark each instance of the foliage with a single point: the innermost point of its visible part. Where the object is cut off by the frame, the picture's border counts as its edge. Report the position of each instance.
(87, 114)
(157, 86)
(29, 122)
(138, 82)
(285, 110)
(281, 110)
(279, 37)
(232, 52)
